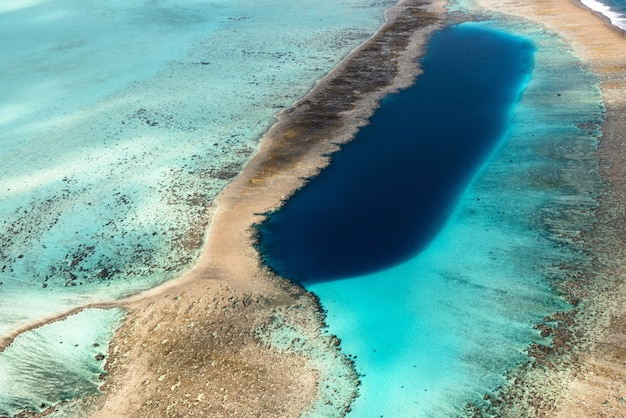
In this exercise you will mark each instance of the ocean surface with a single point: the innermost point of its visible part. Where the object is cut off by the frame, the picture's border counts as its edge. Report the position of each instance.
(119, 123)
(614, 10)
(427, 239)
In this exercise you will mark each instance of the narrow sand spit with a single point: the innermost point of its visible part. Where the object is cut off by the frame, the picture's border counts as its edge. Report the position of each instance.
(584, 374)
(199, 344)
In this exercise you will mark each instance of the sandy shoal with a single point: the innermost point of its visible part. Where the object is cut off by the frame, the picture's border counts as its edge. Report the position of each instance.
(195, 345)
(586, 375)
(198, 344)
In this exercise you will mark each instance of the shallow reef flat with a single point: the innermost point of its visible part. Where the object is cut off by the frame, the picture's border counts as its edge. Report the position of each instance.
(109, 192)
(582, 373)
(229, 330)
(534, 209)
(435, 332)
(110, 161)
(252, 319)
(227, 336)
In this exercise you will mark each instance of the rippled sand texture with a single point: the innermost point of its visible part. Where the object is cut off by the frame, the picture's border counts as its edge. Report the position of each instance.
(57, 361)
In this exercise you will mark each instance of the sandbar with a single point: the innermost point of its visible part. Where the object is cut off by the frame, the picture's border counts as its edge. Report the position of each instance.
(206, 343)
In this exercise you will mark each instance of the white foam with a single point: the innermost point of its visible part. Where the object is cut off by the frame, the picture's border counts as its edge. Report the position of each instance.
(616, 18)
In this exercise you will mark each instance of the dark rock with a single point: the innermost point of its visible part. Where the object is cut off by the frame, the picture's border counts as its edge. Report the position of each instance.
(103, 274)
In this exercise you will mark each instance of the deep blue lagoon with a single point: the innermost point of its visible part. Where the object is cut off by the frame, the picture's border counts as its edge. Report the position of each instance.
(431, 219)
(388, 192)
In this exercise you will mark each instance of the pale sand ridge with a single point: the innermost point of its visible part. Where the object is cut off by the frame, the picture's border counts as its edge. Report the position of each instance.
(198, 344)
(195, 345)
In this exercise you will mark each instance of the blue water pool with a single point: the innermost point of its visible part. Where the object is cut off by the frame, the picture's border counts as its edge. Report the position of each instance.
(426, 239)
(387, 193)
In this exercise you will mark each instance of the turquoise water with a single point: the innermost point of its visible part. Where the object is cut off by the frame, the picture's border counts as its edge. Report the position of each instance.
(119, 124)
(56, 362)
(441, 329)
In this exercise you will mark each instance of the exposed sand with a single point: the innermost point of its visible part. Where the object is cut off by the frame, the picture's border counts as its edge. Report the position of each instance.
(584, 374)
(205, 344)
(199, 344)
(193, 346)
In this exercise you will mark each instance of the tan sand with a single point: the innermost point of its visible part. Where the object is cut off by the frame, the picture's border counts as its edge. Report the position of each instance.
(192, 346)
(199, 344)
(205, 344)
(585, 374)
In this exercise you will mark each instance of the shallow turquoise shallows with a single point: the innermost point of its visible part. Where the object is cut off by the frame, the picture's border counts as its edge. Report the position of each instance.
(120, 121)
(440, 328)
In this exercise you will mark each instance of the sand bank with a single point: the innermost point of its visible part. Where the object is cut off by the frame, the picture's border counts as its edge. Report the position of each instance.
(584, 373)
(205, 344)
(202, 343)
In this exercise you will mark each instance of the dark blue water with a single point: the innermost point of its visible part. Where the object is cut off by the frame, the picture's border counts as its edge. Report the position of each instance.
(614, 10)
(387, 193)
(616, 5)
